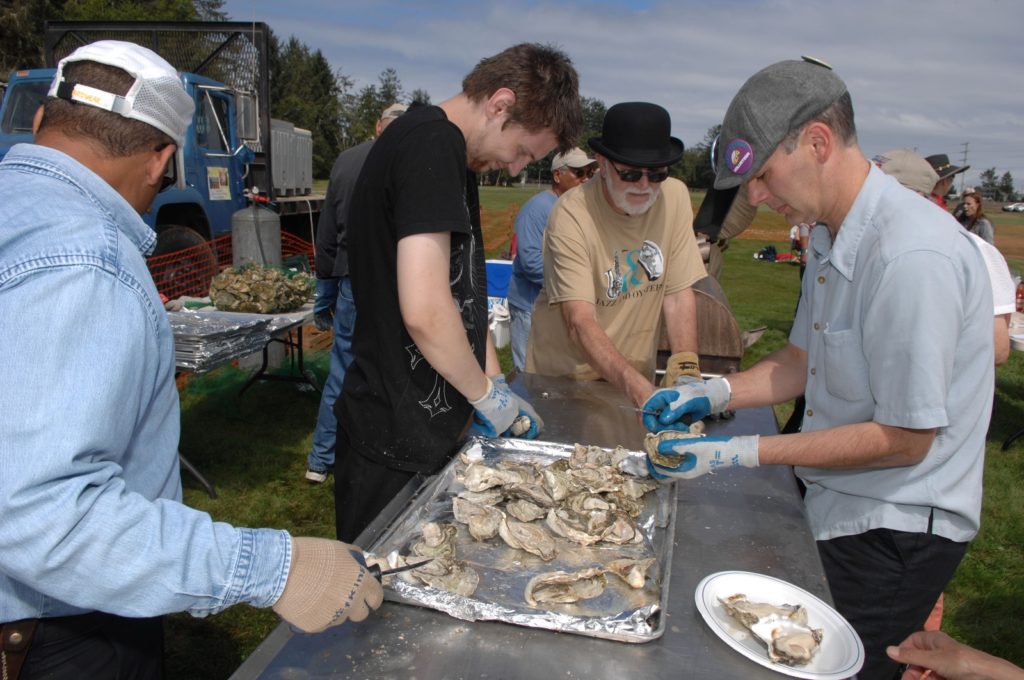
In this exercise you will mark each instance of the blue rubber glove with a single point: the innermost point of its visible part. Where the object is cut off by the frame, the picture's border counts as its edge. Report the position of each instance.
(323, 305)
(525, 409)
(666, 408)
(496, 410)
(692, 457)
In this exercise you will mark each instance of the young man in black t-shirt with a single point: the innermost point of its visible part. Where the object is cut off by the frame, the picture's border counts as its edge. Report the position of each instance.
(425, 366)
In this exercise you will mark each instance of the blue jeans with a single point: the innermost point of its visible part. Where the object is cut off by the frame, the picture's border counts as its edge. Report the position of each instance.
(519, 334)
(321, 456)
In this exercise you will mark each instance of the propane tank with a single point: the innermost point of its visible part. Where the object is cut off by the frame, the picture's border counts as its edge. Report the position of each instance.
(255, 236)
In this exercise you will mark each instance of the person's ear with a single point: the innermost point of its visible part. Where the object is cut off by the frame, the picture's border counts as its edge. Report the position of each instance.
(820, 138)
(156, 163)
(501, 102)
(37, 120)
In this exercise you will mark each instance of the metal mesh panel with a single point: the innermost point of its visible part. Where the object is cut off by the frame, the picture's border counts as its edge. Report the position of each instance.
(231, 52)
(228, 56)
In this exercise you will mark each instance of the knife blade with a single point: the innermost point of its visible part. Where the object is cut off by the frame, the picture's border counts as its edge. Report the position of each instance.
(377, 573)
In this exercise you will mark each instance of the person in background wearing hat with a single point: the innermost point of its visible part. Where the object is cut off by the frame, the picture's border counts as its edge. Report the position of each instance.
(891, 345)
(946, 171)
(96, 544)
(619, 259)
(334, 306)
(568, 170)
(917, 174)
(425, 368)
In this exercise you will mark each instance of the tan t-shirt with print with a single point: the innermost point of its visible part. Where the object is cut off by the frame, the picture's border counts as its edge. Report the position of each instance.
(624, 265)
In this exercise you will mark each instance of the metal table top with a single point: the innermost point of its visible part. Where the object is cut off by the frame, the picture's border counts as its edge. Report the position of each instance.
(750, 520)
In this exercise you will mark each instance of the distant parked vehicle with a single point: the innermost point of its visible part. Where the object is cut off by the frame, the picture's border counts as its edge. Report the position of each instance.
(1013, 207)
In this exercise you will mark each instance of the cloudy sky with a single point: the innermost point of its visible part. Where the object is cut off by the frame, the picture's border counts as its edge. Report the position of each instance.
(939, 76)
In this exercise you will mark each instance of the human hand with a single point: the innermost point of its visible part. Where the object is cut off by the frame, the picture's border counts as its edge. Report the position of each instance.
(680, 369)
(527, 424)
(324, 320)
(935, 655)
(323, 305)
(679, 455)
(667, 406)
(326, 586)
(496, 410)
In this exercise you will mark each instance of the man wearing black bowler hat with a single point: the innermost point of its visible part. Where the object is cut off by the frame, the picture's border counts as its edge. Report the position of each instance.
(620, 257)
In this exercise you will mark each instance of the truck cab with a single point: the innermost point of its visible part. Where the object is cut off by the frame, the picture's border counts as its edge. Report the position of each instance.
(26, 90)
(210, 167)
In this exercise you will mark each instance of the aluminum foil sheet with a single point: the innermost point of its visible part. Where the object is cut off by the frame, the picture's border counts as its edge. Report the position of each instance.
(618, 613)
(203, 340)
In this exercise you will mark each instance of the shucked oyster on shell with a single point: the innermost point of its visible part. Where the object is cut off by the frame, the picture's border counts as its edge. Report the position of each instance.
(669, 460)
(480, 477)
(438, 540)
(525, 511)
(783, 628)
(532, 538)
(441, 573)
(565, 587)
(482, 520)
(565, 526)
(633, 572)
(456, 578)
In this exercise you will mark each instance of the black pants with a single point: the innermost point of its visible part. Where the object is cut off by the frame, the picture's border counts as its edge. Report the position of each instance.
(362, 488)
(97, 646)
(885, 583)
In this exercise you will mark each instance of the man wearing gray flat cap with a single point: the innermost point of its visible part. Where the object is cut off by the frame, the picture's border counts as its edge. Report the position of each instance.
(892, 346)
(620, 258)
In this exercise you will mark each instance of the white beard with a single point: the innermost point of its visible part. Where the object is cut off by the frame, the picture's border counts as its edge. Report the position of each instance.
(620, 201)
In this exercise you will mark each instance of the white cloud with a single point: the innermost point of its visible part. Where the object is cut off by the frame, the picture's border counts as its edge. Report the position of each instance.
(930, 75)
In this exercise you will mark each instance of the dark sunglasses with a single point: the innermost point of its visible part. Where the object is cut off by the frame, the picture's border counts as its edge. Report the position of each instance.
(170, 177)
(635, 174)
(581, 173)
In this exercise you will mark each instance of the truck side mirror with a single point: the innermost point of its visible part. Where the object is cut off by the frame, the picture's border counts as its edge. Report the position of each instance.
(246, 110)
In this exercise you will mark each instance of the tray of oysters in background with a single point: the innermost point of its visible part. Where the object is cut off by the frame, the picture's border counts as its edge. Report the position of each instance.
(571, 538)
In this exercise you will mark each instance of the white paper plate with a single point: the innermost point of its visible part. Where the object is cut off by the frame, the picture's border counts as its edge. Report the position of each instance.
(841, 654)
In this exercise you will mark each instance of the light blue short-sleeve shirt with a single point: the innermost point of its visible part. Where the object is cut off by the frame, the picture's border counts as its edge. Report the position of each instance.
(896, 320)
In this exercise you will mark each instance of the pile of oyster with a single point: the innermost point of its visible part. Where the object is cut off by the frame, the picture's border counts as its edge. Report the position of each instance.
(783, 628)
(581, 501)
(259, 289)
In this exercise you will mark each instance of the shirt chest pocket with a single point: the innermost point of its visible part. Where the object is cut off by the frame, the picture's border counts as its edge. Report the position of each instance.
(846, 370)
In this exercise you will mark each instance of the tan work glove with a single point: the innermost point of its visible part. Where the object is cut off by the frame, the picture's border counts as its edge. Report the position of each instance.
(681, 365)
(326, 586)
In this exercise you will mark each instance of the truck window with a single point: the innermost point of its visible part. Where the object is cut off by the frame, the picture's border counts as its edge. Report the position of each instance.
(213, 124)
(23, 99)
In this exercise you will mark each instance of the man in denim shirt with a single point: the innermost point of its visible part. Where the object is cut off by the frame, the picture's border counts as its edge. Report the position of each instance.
(96, 544)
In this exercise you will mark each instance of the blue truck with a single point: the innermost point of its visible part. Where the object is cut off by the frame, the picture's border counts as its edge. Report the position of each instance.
(233, 150)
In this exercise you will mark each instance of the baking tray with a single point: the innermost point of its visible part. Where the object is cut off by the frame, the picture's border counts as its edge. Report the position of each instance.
(619, 613)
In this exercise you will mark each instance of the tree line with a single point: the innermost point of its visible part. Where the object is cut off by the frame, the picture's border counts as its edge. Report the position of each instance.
(997, 188)
(304, 88)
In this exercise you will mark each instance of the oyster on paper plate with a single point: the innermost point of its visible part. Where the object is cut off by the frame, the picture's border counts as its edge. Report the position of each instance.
(782, 628)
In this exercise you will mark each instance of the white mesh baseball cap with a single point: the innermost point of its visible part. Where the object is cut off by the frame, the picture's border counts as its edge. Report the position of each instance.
(156, 98)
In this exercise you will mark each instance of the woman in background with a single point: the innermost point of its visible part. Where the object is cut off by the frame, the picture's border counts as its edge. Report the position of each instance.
(977, 223)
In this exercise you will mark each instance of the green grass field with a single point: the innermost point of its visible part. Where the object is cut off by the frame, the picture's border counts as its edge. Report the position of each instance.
(254, 449)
